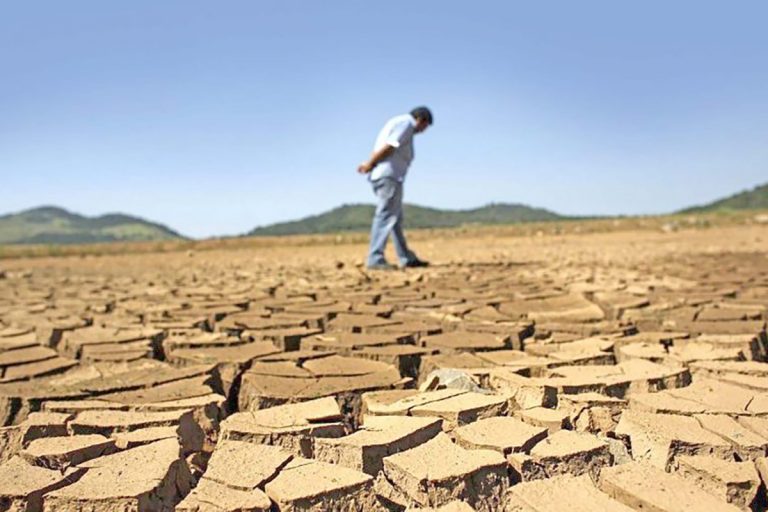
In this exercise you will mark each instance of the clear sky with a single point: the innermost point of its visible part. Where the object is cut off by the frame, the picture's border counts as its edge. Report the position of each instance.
(215, 117)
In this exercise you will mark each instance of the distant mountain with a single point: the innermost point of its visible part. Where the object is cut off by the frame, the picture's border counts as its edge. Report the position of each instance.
(757, 198)
(52, 225)
(357, 217)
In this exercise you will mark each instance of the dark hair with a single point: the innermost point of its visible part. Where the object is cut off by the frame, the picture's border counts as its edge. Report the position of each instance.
(422, 113)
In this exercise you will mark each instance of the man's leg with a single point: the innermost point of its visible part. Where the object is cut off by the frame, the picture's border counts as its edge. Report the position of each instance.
(384, 219)
(398, 237)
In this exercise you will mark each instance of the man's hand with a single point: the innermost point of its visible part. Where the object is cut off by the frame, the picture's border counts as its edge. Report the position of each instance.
(365, 167)
(376, 157)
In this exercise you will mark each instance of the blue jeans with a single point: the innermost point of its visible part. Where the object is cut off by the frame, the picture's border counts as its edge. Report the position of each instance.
(388, 219)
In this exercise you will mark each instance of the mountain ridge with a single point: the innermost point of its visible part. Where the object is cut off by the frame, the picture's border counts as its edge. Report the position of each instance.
(55, 225)
(749, 199)
(357, 217)
(49, 224)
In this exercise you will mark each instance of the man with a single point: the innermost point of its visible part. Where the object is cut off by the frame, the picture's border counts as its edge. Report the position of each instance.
(386, 170)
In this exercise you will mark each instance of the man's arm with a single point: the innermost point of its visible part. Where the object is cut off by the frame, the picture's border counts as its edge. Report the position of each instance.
(376, 158)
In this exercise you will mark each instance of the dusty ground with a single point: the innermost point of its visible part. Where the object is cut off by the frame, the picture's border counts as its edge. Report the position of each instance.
(601, 371)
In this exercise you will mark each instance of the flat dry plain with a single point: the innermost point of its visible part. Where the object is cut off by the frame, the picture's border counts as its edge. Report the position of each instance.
(582, 372)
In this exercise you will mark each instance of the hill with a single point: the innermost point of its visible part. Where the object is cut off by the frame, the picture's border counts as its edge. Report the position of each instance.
(757, 198)
(357, 217)
(52, 225)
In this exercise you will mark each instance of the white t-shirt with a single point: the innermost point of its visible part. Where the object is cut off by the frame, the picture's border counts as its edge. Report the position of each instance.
(397, 132)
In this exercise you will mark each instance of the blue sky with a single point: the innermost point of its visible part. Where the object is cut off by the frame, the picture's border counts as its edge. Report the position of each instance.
(215, 117)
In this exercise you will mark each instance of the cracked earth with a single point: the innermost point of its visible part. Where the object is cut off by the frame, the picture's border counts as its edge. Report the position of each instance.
(614, 371)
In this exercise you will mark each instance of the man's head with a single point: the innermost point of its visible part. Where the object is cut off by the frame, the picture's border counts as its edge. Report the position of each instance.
(423, 117)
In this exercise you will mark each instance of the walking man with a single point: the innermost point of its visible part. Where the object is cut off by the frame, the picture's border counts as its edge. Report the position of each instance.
(386, 170)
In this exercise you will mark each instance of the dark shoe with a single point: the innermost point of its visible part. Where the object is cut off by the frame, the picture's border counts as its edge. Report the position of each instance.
(381, 266)
(416, 263)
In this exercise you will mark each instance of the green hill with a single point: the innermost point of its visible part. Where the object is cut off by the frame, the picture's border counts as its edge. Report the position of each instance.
(757, 198)
(52, 225)
(357, 217)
